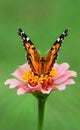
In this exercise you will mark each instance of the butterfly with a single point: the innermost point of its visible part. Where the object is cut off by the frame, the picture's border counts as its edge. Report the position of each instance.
(41, 64)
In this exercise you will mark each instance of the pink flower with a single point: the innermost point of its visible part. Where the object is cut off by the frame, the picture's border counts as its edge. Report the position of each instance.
(26, 82)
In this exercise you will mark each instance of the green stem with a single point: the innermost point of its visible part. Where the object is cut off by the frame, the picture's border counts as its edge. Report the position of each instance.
(41, 107)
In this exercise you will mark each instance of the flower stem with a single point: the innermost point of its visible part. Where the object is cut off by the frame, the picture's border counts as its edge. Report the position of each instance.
(41, 107)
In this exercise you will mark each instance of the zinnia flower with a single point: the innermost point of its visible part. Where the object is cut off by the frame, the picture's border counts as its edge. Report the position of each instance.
(27, 82)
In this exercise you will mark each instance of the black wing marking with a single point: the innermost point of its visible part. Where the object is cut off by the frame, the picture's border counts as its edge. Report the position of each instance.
(52, 54)
(32, 54)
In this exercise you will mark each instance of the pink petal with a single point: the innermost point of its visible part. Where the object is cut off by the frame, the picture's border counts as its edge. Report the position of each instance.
(34, 86)
(61, 87)
(33, 89)
(20, 91)
(19, 72)
(45, 91)
(54, 88)
(61, 69)
(12, 83)
(63, 78)
(69, 81)
(25, 67)
(56, 66)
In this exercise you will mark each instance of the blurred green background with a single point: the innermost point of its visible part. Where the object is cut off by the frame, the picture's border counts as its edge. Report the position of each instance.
(43, 21)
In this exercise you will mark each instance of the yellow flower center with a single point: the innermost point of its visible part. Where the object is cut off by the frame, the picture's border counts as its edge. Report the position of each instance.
(28, 76)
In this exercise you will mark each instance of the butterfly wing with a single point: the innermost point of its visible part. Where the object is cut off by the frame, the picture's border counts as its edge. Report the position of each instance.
(52, 54)
(32, 54)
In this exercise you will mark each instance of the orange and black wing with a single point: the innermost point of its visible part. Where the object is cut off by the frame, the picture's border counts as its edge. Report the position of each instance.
(52, 54)
(32, 54)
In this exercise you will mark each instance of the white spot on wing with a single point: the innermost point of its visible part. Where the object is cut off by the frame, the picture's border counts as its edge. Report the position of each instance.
(22, 33)
(23, 38)
(27, 38)
(64, 33)
(58, 39)
(62, 39)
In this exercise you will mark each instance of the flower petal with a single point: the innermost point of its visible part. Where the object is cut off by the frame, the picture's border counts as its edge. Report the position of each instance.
(61, 69)
(45, 91)
(68, 74)
(12, 83)
(24, 67)
(19, 72)
(34, 86)
(63, 66)
(61, 87)
(20, 91)
(69, 81)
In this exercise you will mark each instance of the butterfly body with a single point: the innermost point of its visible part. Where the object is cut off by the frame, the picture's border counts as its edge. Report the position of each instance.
(41, 64)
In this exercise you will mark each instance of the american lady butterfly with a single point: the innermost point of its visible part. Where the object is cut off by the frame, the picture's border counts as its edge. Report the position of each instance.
(41, 64)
